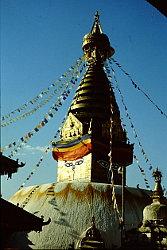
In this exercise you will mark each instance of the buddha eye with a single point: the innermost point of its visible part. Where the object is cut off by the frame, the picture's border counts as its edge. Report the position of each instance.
(103, 163)
(79, 162)
(68, 164)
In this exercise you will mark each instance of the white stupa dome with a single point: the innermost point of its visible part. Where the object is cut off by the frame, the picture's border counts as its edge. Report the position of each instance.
(71, 205)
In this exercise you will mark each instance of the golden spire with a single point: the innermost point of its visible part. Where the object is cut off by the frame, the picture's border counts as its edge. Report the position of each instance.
(93, 111)
(157, 192)
(92, 99)
(94, 102)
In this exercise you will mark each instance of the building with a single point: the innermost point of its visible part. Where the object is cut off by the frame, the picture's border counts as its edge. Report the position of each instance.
(90, 206)
(14, 218)
(152, 234)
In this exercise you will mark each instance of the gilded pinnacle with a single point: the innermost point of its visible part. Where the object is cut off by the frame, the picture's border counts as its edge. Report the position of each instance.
(158, 192)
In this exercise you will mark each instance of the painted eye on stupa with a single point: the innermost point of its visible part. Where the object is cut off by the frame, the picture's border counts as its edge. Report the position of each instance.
(103, 163)
(74, 163)
(79, 162)
(69, 164)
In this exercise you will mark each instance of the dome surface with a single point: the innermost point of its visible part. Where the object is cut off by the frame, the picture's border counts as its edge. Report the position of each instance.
(71, 206)
(156, 211)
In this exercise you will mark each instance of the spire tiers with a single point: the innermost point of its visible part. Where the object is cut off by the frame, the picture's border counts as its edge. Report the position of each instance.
(94, 102)
(92, 98)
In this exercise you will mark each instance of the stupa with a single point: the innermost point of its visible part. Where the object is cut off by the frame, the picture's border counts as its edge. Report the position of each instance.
(154, 225)
(152, 234)
(92, 151)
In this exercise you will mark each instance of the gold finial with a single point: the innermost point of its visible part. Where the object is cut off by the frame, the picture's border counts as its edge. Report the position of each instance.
(157, 192)
(157, 175)
(96, 17)
(96, 28)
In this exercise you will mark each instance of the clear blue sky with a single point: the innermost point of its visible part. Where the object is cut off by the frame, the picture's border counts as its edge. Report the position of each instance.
(41, 39)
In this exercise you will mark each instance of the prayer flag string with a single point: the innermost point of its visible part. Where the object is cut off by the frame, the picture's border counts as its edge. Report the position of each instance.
(142, 171)
(136, 86)
(41, 104)
(44, 92)
(49, 115)
(115, 205)
(45, 153)
(28, 197)
(134, 131)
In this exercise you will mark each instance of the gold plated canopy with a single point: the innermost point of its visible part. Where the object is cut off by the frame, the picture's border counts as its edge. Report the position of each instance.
(96, 44)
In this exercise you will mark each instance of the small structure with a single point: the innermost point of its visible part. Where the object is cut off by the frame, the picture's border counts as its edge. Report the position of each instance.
(155, 217)
(153, 232)
(93, 238)
(14, 218)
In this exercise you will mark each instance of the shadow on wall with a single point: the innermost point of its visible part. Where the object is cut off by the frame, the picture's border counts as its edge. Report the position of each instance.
(55, 206)
(62, 220)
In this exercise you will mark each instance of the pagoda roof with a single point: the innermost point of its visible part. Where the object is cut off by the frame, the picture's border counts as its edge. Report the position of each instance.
(9, 166)
(16, 219)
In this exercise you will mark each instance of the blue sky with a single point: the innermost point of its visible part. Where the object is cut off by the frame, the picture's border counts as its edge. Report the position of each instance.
(41, 39)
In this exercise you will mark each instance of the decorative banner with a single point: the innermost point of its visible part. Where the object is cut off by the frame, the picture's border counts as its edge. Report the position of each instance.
(132, 126)
(111, 168)
(72, 150)
(136, 86)
(41, 95)
(142, 172)
(115, 205)
(28, 197)
(44, 154)
(46, 118)
(41, 104)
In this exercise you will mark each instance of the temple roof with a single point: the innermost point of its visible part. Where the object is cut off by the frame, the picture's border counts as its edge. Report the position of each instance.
(14, 218)
(9, 166)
